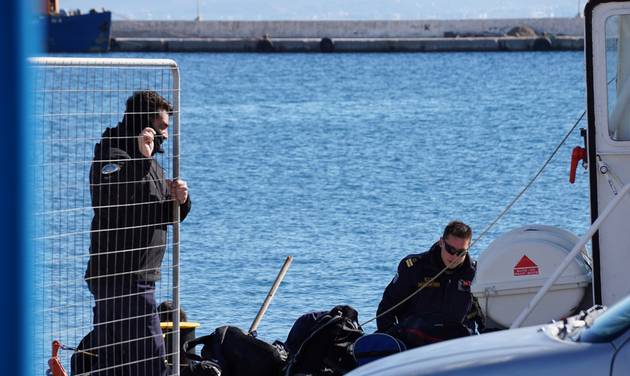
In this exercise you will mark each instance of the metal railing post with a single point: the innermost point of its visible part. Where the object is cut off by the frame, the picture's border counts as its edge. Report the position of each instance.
(176, 219)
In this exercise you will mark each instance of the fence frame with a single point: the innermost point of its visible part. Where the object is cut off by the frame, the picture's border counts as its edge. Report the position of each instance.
(76, 62)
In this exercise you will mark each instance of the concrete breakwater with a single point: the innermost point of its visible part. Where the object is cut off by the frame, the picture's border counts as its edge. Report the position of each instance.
(349, 36)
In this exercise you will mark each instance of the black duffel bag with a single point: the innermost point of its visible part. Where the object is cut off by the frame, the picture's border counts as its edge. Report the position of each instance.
(320, 343)
(235, 352)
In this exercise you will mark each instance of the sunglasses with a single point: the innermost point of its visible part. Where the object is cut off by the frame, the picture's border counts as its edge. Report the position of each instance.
(454, 251)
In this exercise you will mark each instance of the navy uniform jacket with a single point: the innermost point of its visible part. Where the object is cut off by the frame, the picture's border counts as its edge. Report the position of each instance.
(446, 300)
(132, 208)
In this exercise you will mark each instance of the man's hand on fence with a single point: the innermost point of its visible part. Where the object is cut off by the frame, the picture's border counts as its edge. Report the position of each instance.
(145, 141)
(179, 190)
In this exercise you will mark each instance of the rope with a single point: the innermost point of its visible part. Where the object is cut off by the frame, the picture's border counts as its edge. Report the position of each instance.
(553, 154)
(529, 184)
(503, 212)
(64, 347)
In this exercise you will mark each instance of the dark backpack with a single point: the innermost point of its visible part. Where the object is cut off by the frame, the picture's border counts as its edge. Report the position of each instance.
(320, 343)
(235, 353)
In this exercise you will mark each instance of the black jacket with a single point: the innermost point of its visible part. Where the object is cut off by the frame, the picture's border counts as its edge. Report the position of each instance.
(446, 300)
(132, 208)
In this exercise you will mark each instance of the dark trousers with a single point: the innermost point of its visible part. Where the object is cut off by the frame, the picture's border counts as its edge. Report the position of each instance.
(126, 339)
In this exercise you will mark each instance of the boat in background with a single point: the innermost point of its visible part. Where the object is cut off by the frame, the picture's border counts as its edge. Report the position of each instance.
(72, 31)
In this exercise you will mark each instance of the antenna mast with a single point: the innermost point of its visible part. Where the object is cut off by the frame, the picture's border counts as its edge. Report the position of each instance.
(198, 18)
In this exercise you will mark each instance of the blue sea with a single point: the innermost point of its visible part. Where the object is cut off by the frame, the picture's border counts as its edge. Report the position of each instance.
(349, 162)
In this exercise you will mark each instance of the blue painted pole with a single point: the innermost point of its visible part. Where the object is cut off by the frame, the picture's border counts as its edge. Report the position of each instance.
(18, 38)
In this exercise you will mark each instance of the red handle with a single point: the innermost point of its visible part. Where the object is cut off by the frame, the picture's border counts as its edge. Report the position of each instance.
(578, 154)
(54, 363)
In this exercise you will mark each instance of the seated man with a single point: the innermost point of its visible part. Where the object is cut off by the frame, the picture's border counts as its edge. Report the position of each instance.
(444, 308)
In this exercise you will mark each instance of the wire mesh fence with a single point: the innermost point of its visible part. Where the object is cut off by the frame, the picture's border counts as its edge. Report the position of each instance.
(105, 231)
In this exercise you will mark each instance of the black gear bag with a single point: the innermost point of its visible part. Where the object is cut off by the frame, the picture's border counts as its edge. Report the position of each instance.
(235, 353)
(320, 343)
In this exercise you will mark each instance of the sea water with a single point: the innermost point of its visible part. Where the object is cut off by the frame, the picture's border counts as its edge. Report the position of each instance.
(349, 162)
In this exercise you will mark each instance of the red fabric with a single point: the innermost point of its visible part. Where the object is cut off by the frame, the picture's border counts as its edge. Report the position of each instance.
(420, 334)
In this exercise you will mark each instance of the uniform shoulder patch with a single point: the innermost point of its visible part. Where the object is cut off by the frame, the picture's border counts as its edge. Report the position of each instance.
(110, 168)
(410, 261)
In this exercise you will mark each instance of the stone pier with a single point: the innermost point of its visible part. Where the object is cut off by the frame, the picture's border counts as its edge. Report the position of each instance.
(350, 36)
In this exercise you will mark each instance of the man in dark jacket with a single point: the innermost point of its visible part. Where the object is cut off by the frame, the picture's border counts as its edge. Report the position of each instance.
(444, 307)
(133, 205)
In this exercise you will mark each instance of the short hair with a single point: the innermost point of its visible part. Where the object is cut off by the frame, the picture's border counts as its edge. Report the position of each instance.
(458, 229)
(147, 102)
(166, 309)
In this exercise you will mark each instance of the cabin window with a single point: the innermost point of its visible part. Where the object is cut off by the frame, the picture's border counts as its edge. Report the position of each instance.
(618, 76)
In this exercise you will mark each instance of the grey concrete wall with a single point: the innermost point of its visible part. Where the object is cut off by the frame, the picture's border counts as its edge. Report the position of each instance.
(341, 29)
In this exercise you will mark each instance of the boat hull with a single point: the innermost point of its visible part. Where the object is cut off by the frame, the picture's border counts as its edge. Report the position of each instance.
(79, 33)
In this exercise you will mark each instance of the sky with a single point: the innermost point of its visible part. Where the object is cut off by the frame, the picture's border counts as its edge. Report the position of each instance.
(328, 9)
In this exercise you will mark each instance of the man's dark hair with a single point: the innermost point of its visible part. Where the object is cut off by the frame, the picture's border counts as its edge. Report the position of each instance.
(166, 309)
(147, 102)
(141, 109)
(458, 229)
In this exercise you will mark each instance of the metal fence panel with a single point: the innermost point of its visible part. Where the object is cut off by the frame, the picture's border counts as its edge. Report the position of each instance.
(75, 100)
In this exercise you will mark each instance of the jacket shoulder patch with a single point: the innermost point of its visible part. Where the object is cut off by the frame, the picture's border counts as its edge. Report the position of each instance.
(410, 261)
(110, 168)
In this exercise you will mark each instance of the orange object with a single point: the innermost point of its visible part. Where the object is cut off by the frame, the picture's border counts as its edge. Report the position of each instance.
(50, 7)
(54, 363)
(578, 154)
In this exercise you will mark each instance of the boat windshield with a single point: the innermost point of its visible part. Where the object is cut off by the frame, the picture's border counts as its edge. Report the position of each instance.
(610, 325)
(618, 76)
